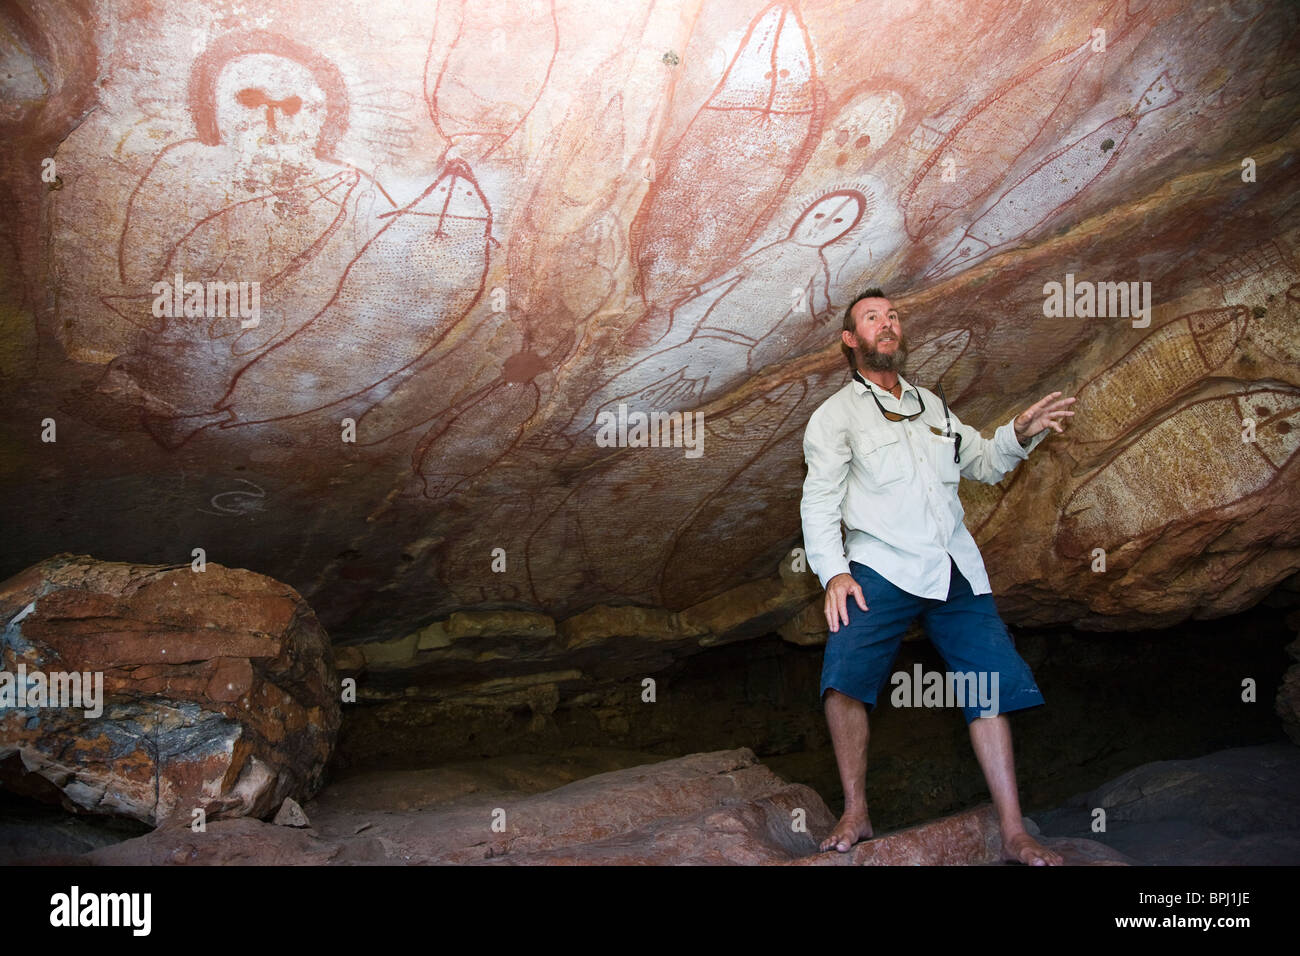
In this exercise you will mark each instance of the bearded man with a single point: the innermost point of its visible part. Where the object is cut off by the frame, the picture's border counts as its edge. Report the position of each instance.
(885, 457)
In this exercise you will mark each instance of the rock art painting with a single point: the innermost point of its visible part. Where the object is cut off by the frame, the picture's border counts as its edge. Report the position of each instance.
(568, 243)
(487, 67)
(684, 492)
(721, 182)
(762, 435)
(964, 160)
(1207, 465)
(1252, 278)
(432, 254)
(863, 128)
(1165, 363)
(1274, 332)
(1226, 34)
(458, 447)
(269, 113)
(1265, 279)
(1005, 123)
(344, 293)
(731, 327)
(1054, 183)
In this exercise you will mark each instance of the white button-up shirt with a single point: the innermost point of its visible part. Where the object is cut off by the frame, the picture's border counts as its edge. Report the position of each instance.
(894, 485)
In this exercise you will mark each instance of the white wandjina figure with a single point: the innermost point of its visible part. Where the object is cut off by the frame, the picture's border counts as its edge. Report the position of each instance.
(263, 202)
(734, 325)
(406, 289)
(706, 204)
(1057, 181)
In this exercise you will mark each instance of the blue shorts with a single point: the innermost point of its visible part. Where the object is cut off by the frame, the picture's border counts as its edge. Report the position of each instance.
(966, 630)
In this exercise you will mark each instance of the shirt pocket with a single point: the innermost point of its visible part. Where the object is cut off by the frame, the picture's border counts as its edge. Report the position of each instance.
(942, 450)
(883, 458)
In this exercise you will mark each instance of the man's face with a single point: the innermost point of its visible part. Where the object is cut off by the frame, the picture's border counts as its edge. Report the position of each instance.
(879, 344)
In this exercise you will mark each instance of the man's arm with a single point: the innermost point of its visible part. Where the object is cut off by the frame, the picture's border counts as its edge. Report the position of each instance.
(990, 459)
(827, 452)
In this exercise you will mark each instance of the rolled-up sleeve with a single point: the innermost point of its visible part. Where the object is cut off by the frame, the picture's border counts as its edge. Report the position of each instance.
(990, 459)
(826, 451)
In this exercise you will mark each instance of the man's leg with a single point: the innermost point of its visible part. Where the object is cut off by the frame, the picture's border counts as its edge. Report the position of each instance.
(968, 631)
(991, 738)
(849, 732)
(856, 665)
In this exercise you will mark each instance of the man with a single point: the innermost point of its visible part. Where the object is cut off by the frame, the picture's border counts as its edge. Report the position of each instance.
(885, 456)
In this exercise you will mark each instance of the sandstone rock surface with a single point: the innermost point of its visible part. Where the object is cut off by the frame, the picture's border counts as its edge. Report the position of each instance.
(721, 808)
(1237, 807)
(647, 217)
(218, 690)
(1233, 807)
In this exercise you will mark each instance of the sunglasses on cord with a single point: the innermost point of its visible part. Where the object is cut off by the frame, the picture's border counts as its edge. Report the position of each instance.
(947, 431)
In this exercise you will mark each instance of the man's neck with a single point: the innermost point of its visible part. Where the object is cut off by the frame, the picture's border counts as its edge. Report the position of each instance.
(886, 380)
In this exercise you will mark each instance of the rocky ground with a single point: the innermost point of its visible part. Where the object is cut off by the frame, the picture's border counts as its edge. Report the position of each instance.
(1233, 807)
(612, 807)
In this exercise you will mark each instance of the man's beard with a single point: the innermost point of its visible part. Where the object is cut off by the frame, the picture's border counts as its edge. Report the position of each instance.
(881, 362)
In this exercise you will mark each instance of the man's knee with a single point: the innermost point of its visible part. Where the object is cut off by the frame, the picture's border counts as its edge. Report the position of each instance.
(836, 700)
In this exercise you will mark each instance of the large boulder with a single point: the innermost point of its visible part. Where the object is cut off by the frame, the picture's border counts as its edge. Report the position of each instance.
(167, 690)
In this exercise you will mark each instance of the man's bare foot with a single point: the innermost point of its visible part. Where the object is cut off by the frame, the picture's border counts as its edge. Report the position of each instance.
(1022, 848)
(853, 826)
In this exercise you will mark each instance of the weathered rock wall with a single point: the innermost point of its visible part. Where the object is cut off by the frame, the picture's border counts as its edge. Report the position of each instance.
(452, 236)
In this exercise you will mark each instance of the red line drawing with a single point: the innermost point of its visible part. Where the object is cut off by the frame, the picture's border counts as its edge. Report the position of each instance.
(988, 141)
(458, 448)
(978, 151)
(562, 264)
(1167, 361)
(1251, 277)
(729, 328)
(430, 259)
(761, 434)
(1055, 183)
(1129, 497)
(269, 113)
(570, 546)
(565, 250)
(150, 211)
(708, 203)
(567, 247)
(492, 73)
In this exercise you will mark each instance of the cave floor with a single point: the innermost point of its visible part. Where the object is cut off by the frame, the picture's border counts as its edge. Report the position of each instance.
(591, 806)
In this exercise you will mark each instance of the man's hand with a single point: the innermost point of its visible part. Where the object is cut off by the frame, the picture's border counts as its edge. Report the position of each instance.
(838, 590)
(1047, 412)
